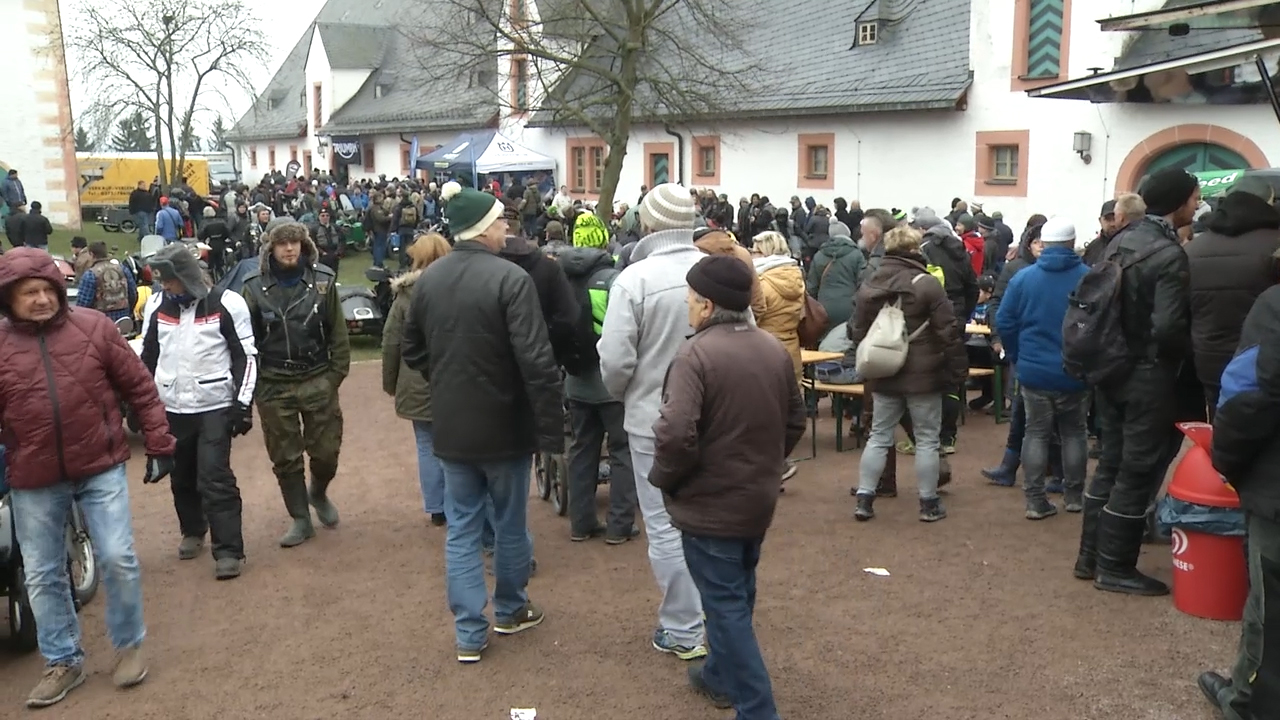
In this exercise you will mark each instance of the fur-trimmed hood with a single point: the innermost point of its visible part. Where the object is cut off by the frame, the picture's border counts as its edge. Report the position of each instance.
(404, 283)
(309, 257)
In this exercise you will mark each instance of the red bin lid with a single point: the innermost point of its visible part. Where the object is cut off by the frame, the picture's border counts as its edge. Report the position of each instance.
(1195, 480)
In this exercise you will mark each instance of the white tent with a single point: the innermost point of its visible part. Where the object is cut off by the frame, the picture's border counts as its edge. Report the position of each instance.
(485, 152)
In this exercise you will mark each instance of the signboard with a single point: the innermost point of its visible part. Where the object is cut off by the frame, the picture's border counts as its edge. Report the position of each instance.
(291, 170)
(1217, 182)
(346, 149)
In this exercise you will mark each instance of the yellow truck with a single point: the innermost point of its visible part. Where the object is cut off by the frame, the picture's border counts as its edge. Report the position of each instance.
(106, 179)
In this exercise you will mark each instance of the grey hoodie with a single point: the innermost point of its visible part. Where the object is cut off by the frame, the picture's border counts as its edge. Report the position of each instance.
(646, 323)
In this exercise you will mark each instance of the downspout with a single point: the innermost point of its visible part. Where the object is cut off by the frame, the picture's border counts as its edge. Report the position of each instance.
(679, 152)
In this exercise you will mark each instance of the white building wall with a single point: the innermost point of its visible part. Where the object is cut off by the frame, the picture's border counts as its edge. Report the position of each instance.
(36, 136)
(342, 87)
(387, 154)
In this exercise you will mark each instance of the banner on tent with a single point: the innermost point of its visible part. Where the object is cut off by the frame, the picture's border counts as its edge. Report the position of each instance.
(346, 148)
(291, 170)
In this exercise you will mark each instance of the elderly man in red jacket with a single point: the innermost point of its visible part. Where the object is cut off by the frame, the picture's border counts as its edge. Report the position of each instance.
(63, 431)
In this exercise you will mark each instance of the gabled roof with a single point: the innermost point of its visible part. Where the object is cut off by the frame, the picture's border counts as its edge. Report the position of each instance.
(354, 47)
(285, 116)
(807, 63)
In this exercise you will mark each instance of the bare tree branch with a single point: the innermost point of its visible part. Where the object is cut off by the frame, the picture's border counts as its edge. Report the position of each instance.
(158, 57)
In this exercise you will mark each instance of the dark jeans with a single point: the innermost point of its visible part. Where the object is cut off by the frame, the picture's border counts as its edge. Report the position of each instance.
(1134, 421)
(378, 248)
(951, 400)
(591, 423)
(1018, 434)
(1255, 678)
(205, 494)
(725, 572)
(1046, 412)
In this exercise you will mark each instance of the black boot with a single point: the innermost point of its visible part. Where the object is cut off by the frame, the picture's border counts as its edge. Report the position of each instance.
(1087, 559)
(1119, 543)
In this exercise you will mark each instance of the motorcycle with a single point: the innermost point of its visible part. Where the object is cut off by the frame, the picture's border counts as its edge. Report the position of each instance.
(362, 308)
(82, 569)
(128, 330)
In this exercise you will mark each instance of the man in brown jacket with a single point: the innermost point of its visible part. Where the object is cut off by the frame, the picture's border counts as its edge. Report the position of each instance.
(715, 453)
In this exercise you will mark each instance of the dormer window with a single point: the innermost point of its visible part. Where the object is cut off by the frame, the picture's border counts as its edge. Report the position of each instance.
(380, 90)
(271, 103)
(868, 33)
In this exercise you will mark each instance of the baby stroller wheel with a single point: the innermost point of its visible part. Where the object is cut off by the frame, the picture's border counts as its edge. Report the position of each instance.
(540, 474)
(558, 477)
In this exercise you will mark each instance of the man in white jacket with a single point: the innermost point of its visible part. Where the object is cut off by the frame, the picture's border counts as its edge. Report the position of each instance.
(646, 323)
(198, 344)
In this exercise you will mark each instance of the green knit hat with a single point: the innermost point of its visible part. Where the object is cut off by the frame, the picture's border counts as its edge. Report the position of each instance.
(468, 212)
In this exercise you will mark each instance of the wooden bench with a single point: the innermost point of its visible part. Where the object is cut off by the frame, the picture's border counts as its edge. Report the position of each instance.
(838, 394)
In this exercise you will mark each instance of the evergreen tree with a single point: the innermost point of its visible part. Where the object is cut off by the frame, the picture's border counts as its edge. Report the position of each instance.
(133, 134)
(83, 143)
(218, 141)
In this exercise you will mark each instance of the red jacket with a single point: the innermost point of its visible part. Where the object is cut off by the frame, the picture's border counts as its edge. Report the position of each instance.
(59, 414)
(973, 244)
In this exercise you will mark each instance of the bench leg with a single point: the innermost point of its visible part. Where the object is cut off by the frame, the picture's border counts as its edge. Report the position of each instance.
(837, 404)
(997, 382)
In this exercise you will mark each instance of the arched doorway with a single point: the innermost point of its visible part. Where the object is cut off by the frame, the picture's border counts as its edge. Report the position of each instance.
(1195, 148)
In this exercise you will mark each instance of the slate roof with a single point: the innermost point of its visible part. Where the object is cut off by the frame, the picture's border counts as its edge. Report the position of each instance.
(360, 34)
(805, 62)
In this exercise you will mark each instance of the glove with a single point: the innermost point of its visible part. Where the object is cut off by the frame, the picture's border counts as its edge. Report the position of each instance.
(241, 420)
(158, 468)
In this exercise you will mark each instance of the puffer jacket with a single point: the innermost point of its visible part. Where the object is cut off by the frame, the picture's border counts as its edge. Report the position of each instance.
(60, 418)
(1157, 299)
(782, 289)
(936, 358)
(1231, 265)
(833, 277)
(409, 387)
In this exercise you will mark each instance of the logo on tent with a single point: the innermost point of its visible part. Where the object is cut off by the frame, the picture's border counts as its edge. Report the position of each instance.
(506, 147)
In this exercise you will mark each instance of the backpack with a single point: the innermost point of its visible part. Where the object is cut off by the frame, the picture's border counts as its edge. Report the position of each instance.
(1094, 347)
(409, 216)
(592, 294)
(883, 352)
(112, 288)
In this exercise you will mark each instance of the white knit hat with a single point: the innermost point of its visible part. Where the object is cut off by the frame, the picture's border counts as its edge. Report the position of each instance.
(667, 207)
(1058, 230)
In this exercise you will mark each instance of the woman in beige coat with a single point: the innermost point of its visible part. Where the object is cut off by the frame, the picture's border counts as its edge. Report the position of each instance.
(781, 304)
(409, 387)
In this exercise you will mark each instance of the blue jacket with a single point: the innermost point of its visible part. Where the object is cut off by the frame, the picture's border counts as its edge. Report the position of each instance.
(1030, 319)
(169, 223)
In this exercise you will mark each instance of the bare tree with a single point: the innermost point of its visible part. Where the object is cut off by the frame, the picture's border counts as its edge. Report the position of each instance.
(605, 66)
(163, 58)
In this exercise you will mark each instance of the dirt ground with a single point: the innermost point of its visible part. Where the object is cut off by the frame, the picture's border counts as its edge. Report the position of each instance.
(980, 617)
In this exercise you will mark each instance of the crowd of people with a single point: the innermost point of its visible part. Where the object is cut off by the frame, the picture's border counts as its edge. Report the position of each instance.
(521, 312)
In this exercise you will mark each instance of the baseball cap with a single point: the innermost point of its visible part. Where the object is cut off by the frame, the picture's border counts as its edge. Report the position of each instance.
(1108, 208)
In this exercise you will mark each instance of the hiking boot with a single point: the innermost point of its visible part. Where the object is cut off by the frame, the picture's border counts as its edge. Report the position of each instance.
(620, 539)
(190, 547)
(299, 532)
(864, 510)
(1006, 474)
(58, 680)
(663, 642)
(326, 513)
(131, 667)
(437, 519)
(471, 655)
(1040, 508)
(931, 510)
(1073, 501)
(226, 568)
(699, 684)
(979, 403)
(595, 532)
(525, 618)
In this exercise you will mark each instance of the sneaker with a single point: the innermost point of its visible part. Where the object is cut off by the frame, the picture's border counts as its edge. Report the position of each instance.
(620, 539)
(905, 447)
(1040, 508)
(131, 667)
(663, 642)
(1054, 486)
(792, 468)
(471, 655)
(932, 510)
(1074, 501)
(57, 681)
(525, 618)
(226, 568)
(948, 448)
(865, 509)
(698, 683)
(190, 548)
(595, 532)
(437, 519)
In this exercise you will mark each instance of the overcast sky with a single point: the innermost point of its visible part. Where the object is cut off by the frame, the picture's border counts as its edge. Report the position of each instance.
(283, 23)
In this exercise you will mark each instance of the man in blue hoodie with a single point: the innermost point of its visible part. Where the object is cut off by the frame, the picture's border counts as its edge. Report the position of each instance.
(1030, 324)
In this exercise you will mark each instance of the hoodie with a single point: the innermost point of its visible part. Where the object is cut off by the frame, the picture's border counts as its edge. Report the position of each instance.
(942, 248)
(555, 295)
(1030, 318)
(580, 264)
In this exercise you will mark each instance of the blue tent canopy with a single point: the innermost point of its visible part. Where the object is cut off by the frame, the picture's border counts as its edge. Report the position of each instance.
(483, 152)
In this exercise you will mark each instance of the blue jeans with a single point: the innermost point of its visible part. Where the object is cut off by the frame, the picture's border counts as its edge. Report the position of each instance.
(1018, 435)
(40, 519)
(142, 222)
(379, 248)
(487, 536)
(725, 572)
(468, 488)
(430, 474)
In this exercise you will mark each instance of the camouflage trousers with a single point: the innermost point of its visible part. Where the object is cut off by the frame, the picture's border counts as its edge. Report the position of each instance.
(297, 417)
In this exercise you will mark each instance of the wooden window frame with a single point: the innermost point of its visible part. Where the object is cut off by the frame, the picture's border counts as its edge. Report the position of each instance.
(577, 166)
(404, 159)
(306, 163)
(806, 178)
(589, 146)
(293, 153)
(712, 143)
(253, 156)
(518, 14)
(518, 78)
(366, 156)
(868, 38)
(1018, 82)
(987, 143)
(660, 148)
(317, 97)
(271, 158)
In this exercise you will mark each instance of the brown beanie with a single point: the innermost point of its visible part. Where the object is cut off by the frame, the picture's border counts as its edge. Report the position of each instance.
(723, 280)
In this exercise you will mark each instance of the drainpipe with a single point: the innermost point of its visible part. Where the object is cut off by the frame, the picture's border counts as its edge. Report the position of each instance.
(679, 152)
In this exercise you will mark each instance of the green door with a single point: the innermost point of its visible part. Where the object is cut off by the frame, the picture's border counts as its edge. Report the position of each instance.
(1198, 157)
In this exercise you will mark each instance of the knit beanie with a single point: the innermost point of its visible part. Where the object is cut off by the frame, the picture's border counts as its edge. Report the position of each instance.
(925, 218)
(175, 261)
(839, 229)
(589, 231)
(554, 230)
(724, 280)
(667, 207)
(1058, 230)
(468, 212)
(1167, 190)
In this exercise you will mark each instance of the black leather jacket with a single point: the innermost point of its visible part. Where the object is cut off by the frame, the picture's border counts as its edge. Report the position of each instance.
(1156, 292)
(295, 326)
